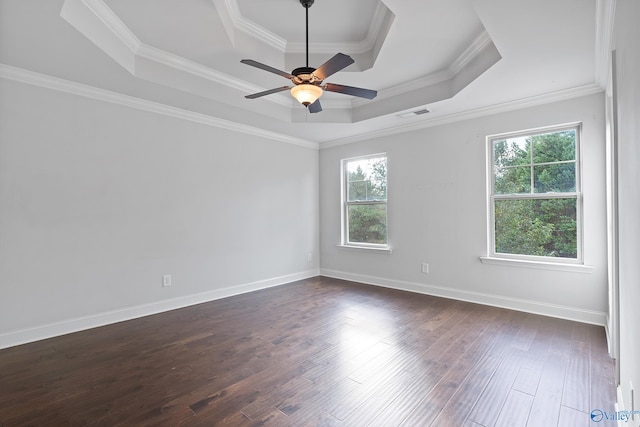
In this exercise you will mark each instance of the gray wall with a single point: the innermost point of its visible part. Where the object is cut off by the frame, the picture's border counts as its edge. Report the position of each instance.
(437, 213)
(98, 201)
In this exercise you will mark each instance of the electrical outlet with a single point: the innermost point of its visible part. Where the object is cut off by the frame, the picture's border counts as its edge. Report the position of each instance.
(166, 280)
(425, 268)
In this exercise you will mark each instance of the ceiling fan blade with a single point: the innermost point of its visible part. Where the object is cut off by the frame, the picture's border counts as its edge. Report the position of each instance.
(350, 90)
(266, 68)
(333, 65)
(267, 92)
(315, 107)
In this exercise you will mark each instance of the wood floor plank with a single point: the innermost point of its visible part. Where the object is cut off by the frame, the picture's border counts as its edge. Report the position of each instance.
(516, 410)
(492, 400)
(367, 413)
(547, 401)
(317, 352)
(529, 375)
(570, 417)
(578, 379)
(458, 408)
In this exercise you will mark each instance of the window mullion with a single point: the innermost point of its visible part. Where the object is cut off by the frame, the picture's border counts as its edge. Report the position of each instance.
(531, 169)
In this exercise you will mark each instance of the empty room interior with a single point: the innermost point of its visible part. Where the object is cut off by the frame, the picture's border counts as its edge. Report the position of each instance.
(320, 213)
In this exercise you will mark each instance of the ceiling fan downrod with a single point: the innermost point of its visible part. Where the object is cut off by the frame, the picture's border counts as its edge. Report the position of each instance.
(307, 4)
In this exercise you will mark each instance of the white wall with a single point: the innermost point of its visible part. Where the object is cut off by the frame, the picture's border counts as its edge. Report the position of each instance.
(437, 214)
(98, 201)
(626, 36)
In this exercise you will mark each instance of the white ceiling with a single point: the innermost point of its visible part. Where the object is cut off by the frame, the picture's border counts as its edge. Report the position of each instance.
(456, 58)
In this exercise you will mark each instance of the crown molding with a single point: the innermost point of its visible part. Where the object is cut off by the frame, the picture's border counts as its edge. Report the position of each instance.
(229, 13)
(425, 122)
(124, 47)
(113, 23)
(475, 48)
(54, 83)
(180, 63)
(139, 50)
(79, 89)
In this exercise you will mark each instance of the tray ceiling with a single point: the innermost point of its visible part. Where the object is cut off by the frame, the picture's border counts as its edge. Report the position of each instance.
(451, 58)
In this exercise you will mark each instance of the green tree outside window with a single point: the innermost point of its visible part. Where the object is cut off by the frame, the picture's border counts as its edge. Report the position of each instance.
(366, 200)
(535, 199)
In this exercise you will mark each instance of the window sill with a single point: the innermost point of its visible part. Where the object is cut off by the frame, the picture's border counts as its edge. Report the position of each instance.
(378, 250)
(573, 268)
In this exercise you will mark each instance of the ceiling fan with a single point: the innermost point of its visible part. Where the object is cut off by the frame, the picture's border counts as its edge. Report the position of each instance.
(307, 82)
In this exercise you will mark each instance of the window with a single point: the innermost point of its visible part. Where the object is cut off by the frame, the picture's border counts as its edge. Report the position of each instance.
(364, 217)
(535, 203)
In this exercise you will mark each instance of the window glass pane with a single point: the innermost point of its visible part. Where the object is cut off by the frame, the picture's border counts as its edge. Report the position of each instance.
(367, 223)
(554, 147)
(512, 180)
(367, 179)
(511, 152)
(536, 227)
(357, 190)
(558, 178)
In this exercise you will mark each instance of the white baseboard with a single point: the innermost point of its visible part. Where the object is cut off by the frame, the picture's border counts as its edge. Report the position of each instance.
(528, 306)
(50, 330)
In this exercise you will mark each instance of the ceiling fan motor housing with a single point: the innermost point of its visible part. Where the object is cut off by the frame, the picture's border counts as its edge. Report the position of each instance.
(306, 3)
(304, 75)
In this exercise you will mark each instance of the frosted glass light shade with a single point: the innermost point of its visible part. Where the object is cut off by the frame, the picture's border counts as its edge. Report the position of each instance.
(306, 94)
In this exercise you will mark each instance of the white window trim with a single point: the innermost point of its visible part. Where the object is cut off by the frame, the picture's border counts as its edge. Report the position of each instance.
(362, 248)
(344, 226)
(533, 261)
(542, 265)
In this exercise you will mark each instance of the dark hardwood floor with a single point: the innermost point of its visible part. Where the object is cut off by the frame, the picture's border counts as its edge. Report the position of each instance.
(319, 352)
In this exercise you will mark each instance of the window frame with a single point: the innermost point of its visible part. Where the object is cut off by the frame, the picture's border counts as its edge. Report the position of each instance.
(345, 242)
(532, 195)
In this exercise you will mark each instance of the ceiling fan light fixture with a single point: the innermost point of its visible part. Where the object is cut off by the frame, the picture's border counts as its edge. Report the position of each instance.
(306, 94)
(308, 82)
